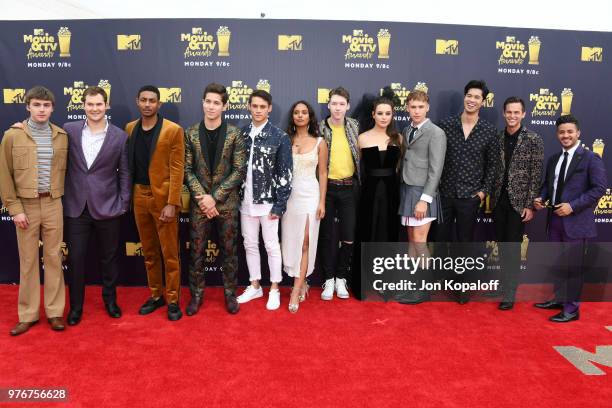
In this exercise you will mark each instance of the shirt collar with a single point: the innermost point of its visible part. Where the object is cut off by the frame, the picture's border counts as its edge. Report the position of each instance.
(86, 126)
(572, 150)
(258, 129)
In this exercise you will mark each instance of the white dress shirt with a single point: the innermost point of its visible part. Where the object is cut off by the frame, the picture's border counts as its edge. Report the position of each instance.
(558, 166)
(92, 143)
(247, 206)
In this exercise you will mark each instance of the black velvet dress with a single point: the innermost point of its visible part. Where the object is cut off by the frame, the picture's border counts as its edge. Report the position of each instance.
(378, 220)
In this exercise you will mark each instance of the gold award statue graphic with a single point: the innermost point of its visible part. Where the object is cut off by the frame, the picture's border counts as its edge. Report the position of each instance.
(598, 147)
(566, 101)
(534, 50)
(264, 85)
(223, 41)
(384, 40)
(64, 36)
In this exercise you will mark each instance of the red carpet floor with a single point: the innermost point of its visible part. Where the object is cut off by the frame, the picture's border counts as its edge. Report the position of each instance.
(341, 353)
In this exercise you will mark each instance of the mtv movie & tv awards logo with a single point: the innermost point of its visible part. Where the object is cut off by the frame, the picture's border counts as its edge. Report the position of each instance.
(361, 49)
(129, 42)
(447, 47)
(170, 95)
(514, 53)
(603, 211)
(547, 105)
(591, 54)
(75, 93)
(290, 42)
(44, 47)
(238, 98)
(200, 46)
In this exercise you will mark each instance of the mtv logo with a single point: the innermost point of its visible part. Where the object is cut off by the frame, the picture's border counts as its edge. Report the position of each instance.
(236, 84)
(357, 33)
(448, 47)
(133, 249)
(323, 95)
(129, 42)
(510, 38)
(289, 42)
(79, 84)
(39, 31)
(170, 95)
(14, 95)
(196, 30)
(591, 54)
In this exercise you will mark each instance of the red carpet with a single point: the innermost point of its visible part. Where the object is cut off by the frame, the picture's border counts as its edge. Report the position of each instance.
(341, 353)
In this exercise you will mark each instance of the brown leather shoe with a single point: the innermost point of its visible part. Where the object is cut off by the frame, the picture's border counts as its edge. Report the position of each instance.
(231, 304)
(57, 323)
(22, 327)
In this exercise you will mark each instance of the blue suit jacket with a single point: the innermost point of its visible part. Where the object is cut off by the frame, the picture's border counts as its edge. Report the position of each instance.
(585, 183)
(105, 186)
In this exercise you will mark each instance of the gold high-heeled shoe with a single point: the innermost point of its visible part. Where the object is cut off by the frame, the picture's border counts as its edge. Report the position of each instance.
(304, 291)
(293, 307)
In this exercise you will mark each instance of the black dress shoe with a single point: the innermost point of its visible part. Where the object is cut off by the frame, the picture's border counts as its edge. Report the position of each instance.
(563, 317)
(193, 306)
(412, 297)
(551, 304)
(74, 317)
(506, 305)
(231, 304)
(174, 312)
(113, 310)
(151, 305)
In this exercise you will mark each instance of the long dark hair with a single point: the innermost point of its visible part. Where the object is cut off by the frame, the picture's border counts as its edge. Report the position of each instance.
(391, 130)
(313, 128)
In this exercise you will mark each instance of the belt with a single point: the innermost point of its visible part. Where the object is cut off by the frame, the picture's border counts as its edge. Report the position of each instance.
(44, 194)
(341, 182)
(380, 172)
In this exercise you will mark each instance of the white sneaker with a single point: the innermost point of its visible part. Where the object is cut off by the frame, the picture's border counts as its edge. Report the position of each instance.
(273, 299)
(341, 290)
(249, 294)
(328, 289)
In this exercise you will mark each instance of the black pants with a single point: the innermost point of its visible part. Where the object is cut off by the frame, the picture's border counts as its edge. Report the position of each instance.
(460, 213)
(341, 202)
(509, 229)
(78, 231)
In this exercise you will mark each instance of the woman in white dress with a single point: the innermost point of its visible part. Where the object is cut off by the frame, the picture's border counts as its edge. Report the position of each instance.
(306, 205)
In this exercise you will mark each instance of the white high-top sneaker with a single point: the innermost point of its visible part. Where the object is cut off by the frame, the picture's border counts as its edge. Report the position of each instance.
(328, 289)
(249, 294)
(341, 290)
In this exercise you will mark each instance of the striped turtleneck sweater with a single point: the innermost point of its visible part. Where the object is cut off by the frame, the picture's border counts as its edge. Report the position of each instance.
(41, 132)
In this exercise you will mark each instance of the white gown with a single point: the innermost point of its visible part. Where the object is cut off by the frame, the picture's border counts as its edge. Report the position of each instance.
(302, 205)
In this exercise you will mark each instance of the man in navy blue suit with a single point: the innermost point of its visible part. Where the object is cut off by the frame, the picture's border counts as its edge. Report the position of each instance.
(575, 181)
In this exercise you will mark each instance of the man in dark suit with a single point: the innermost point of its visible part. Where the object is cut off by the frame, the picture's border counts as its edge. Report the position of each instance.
(97, 193)
(575, 181)
(516, 186)
(215, 167)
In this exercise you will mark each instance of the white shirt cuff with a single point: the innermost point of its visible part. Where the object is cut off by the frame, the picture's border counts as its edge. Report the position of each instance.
(426, 198)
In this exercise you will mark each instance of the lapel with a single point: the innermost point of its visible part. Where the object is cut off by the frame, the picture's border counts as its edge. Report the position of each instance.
(220, 144)
(419, 132)
(204, 144)
(105, 145)
(552, 163)
(79, 144)
(156, 132)
(131, 144)
(576, 159)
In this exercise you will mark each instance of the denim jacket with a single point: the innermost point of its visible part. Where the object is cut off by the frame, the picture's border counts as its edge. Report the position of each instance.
(272, 167)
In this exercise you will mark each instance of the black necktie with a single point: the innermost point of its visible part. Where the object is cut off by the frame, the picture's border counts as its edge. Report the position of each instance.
(411, 134)
(561, 179)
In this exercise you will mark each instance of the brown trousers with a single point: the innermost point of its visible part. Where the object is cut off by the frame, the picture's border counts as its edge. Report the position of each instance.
(155, 235)
(46, 221)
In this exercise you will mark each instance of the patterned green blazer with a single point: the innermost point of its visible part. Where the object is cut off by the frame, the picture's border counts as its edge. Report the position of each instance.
(230, 158)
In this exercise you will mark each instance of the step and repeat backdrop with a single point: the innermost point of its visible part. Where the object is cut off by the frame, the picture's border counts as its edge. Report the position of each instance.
(555, 72)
